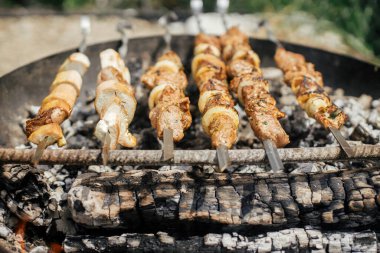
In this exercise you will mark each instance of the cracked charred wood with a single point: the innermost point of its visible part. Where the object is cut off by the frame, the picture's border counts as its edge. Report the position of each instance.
(171, 199)
(25, 193)
(289, 240)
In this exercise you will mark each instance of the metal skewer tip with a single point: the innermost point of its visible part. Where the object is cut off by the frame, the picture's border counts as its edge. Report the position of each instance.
(106, 148)
(39, 151)
(168, 150)
(223, 158)
(273, 156)
(342, 142)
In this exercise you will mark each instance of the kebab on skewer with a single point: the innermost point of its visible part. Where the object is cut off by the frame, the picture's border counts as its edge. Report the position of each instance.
(115, 102)
(210, 81)
(307, 85)
(251, 89)
(220, 120)
(169, 107)
(44, 129)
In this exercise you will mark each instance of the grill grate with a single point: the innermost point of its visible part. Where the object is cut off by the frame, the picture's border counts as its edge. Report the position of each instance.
(187, 157)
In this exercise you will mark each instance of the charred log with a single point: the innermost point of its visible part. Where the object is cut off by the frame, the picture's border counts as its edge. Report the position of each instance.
(289, 240)
(171, 199)
(25, 193)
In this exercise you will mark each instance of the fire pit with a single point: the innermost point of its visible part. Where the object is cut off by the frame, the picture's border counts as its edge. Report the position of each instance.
(140, 203)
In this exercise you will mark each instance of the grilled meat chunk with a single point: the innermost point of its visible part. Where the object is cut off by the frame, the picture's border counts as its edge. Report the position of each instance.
(307, 85)
(250, 88)
(169, 108)
(57, 106)
(115, 101)
(219, 118)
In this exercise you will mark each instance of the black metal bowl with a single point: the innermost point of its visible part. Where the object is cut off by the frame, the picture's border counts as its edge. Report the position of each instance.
(29, 84)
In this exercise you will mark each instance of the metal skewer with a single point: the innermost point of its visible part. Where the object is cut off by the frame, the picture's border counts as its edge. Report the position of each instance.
(273, 156)
(270, 34)
(123, 27)
(197, 7)
(335, 132)
(106, 148)
(221, 151)
(39, 151)
(85, 26)
(164, 22)
(222, 8)
(224, 160)
(168, 147)
(342, 142)
(270, 148)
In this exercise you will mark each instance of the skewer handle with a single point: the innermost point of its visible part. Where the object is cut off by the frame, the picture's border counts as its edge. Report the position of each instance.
(222, 8)
(85, 25)
(122, 28)
(223, 158)
(168, 150)
(342, 142)
(273, 156)
(271, 36)
(164, 21)
(196, 8)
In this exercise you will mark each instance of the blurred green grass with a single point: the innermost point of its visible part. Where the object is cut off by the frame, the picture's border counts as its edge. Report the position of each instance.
(358, 21)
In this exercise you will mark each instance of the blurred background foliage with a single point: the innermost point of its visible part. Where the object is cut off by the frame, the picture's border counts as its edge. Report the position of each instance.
(357, 20)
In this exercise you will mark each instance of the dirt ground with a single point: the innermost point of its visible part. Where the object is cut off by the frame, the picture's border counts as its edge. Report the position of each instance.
(24, 39)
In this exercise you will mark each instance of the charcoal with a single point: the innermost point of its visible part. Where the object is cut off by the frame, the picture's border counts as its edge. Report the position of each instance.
(365, 101)
(365, 134)
(25, 193)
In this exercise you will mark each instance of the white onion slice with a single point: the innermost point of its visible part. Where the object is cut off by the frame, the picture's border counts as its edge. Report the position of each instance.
(204, 97)
(215, 111)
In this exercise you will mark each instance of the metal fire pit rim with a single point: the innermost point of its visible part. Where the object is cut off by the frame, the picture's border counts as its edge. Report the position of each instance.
(252, 38)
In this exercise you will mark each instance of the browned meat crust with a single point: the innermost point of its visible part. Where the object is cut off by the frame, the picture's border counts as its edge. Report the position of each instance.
(307, 85)
(171, 109)
(251, 89)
